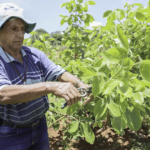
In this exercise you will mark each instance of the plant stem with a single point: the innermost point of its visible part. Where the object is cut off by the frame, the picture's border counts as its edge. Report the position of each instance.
(75, 56)
(65, 115)
(57, 121)
(125, 27)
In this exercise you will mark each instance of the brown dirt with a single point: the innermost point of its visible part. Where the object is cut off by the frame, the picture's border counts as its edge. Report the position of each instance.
(105, 140)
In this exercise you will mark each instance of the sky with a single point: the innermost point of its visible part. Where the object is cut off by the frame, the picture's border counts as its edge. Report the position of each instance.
(46, 12)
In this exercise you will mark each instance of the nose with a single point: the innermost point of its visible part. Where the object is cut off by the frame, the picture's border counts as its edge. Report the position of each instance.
(20, 33)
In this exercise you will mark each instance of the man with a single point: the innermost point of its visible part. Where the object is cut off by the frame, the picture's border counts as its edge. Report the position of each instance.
(23, 87)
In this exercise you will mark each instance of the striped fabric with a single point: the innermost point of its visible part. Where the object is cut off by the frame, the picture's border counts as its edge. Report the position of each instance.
(40, 69)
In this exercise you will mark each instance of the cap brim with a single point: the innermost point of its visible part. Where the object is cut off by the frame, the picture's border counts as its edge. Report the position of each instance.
(29, 25)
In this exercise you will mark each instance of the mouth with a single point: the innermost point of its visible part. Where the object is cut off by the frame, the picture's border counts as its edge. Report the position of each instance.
(18, 42)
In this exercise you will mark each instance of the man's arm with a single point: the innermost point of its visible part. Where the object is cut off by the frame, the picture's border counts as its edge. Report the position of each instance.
(67, 77)
(13, 94)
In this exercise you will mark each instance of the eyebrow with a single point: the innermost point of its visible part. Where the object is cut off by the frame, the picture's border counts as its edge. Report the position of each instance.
(22, 26)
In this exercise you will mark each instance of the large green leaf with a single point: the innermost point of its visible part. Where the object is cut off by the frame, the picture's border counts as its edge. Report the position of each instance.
(134, 120)
(68, 29)
(100, 109)
(91, 18)
(92, 35)
(140, 17)
(117, 72)
(144, 69)
(90, 3)
(117, 53)
(73, 108)
(121, 14)
(89, 107)
(99, 62)
(85, 7)
(66, 18)
(86, 71)
(114, 109)
(56, 126)
(146, 92)
(137, 4)
(80, 1)
(62, 5)
(107, 13)
(88, 133)
(84, 16)
(42, 38)
(73, 127)
(62, 21)
(105, 69)
(110, 86)
(69, 6)
(97, 85)
(119, 124)
(111, 18)
(70, 21)
(138, 97)
(139, 85)
(108, 57)
(122, 107)
(28, 41)
(129, 75)
(127, 63)
(86, 119)
(74, 69)
(125, 89)
(122, 37)
(47, 44)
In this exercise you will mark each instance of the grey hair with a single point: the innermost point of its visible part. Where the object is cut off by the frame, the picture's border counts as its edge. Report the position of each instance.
(11, 19)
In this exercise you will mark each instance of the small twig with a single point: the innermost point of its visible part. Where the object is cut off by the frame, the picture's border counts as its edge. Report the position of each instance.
(65, 115)
(88, 100)
(125, 27)
(105, 126)
(57, 121)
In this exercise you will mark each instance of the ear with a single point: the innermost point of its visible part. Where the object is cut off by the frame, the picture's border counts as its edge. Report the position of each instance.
(0, 34)
(1, 30)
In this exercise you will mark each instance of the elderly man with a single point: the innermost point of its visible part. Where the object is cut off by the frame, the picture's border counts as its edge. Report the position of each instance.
(23, 87)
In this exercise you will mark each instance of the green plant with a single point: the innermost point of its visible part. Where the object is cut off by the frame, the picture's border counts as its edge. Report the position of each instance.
(116, 63)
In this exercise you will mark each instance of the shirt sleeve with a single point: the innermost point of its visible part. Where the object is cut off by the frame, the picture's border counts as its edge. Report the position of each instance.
(4, 80)
(51, 71)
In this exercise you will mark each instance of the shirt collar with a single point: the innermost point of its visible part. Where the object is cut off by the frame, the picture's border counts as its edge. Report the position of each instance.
(3, 55)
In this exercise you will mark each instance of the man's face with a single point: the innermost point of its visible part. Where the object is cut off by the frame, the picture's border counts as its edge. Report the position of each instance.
(12, 34)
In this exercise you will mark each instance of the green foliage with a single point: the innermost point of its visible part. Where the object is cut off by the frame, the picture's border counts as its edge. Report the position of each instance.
(107, 13)
(88, 133)
(113, 59)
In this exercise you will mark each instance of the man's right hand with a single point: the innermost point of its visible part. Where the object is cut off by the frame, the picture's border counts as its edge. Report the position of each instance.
(67, 91)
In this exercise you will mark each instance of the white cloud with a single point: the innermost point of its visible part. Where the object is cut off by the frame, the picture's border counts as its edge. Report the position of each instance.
(27, 36)
(94, 24)
(128, 1)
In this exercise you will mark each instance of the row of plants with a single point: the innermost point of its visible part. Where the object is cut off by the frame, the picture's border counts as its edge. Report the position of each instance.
(113, 59)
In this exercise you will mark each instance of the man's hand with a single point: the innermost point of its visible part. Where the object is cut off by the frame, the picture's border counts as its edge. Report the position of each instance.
(67, 77)
(67, 91)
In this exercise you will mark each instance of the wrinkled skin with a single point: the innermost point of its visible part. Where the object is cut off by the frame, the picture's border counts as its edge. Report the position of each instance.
(12, 36)
(67, 91)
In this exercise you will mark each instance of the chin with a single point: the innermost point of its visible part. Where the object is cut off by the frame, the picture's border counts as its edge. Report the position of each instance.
(18, 47)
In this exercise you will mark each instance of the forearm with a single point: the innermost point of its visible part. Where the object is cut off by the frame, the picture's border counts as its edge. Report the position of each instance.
(67, 77)
(13, 94)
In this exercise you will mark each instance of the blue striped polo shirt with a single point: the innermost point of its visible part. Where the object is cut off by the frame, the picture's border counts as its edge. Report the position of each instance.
(40, 69)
